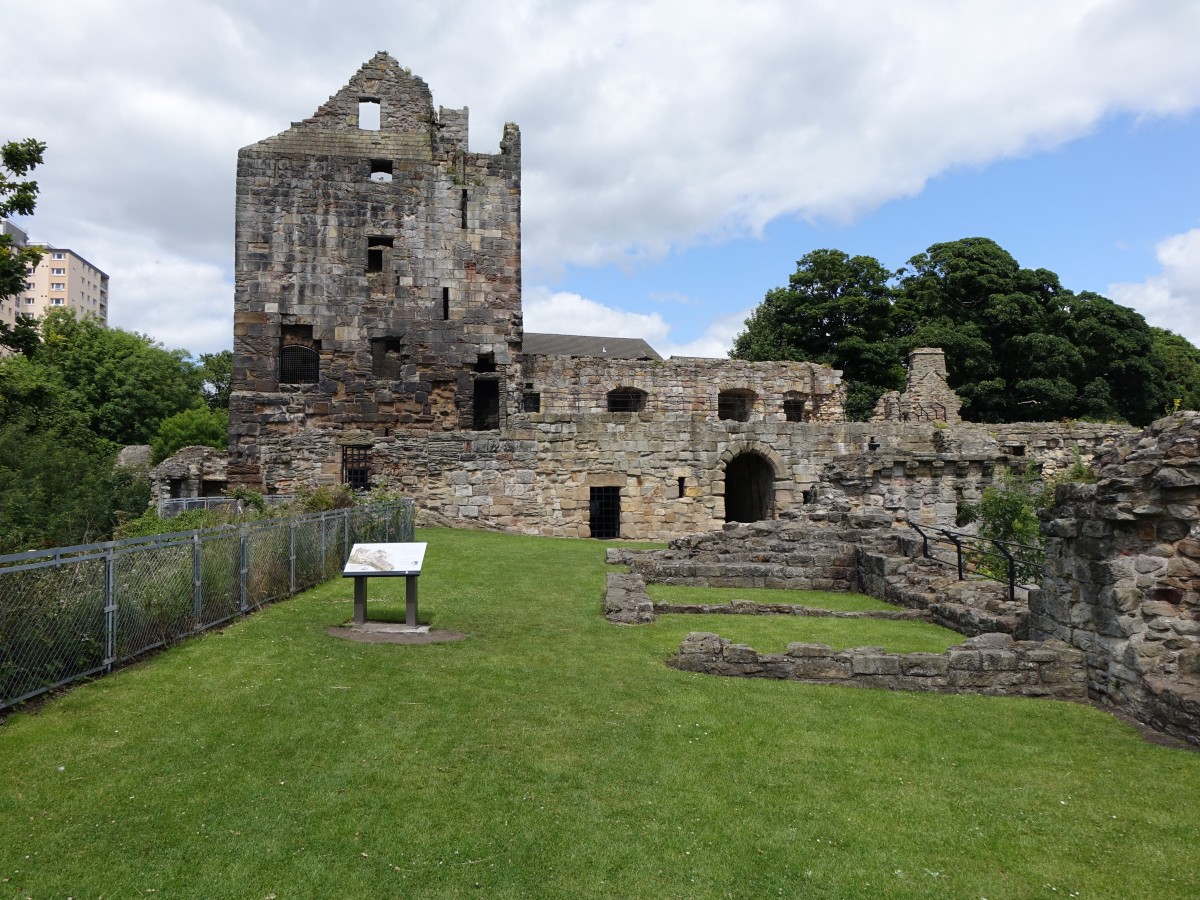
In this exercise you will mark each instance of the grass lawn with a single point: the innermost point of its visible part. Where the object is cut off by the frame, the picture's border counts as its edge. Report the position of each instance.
(553, 754)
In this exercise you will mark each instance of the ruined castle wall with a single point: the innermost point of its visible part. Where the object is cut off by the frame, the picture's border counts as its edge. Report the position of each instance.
(1122, 576)
(687, 386)
(386, 261)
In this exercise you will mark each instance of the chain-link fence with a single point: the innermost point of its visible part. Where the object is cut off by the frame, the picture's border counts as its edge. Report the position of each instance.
(72, 612)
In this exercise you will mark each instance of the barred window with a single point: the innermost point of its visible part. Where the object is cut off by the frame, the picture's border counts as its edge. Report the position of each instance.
(735, 406)
(299, 365)
(626, 400)
(356, 467)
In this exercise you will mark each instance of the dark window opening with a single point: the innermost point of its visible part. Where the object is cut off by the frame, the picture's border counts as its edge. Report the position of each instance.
(604, 512)
(735, 406)
(487, 404)
(387, 358)
(356, 467)
(749, 488)
(462, 209)
(177, 488)
(299, 365)
(446, 304)
(1015, 449)
(212, 488)
(381, 171)
(299, 355)
(626, 400)
(531, 402)
(369, 113)
(793, 407)
(375, 248)
(682, 486)
(486, 362)
(808, 496)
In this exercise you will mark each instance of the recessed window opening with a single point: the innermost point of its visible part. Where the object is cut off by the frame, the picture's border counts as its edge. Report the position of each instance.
(749, 488)
(299, 355)
(369, 109)
(486, 362)
(625, 399)
(735, 405)
(381, 171)
(531, 402)
(356, 467)
(375, 247)
(793, 406)
(604, 512)
(446, 304)
(462, 208)
(487, 404)
(682, 486)
(387, 358)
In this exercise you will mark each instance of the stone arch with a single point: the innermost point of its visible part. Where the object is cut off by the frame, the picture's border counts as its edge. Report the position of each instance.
(750, 479)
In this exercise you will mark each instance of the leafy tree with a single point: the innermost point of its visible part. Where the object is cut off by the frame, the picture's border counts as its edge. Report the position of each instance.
(216, 373)
(197, 426)
(127, 383)
(835, 310)
(18, 196)
(1019, 346)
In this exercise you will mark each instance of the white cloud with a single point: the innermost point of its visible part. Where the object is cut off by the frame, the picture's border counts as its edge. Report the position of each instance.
(716, 339)
(645, 127)
(565, 313)
(1170, 299)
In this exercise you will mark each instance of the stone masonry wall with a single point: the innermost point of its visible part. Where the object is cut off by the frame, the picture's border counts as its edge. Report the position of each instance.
(1122, 578)
(988, 664)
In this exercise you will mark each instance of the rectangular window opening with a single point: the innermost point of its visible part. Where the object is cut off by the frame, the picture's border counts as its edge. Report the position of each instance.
(604, 512)
(487, 404)
(462, 208)
(356, 468)
(369, 109)
(531, 402)
(486, 362)
(446, 304)
(682, 486)
(381, 171)
(375, 252)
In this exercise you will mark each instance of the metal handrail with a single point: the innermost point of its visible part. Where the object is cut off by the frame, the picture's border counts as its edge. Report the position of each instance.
(960, 540)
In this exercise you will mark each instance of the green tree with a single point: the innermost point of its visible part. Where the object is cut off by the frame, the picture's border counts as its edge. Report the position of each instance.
(216, 373)
(197, 426)
(835, 310)
(126, 383)
(1180, 362)
(18, 196)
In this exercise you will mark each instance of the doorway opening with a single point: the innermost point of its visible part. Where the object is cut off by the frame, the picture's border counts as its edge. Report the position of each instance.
(749, 488)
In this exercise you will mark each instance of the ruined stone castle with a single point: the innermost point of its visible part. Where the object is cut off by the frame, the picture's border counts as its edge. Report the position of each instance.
(378, 340)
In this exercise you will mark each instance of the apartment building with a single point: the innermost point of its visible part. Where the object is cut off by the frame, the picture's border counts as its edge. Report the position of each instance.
(65, 279)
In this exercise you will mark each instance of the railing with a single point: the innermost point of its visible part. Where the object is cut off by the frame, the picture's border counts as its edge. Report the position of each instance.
(170, 507)
(1003, 561)
(74, 612)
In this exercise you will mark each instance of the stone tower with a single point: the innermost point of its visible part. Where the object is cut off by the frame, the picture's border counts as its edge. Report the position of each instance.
(378, 279)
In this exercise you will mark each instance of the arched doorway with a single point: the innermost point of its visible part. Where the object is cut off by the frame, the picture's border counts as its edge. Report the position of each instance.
(749, 488)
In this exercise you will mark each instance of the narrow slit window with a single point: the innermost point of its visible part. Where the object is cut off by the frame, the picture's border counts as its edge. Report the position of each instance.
(446, 304)
(462, 208)
(368, 114)
(682, 486)
(381, 171)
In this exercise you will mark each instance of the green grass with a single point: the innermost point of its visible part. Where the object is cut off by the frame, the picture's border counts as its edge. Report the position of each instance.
(552, 754)
(839, 601)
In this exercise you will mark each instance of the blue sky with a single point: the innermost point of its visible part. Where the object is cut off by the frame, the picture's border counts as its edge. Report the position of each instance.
(679, 156)
(1091, 210)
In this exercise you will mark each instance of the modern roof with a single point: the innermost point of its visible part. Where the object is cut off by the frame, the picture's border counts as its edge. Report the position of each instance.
(587, 345)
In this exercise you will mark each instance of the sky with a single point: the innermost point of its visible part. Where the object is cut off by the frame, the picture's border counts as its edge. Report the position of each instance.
(678, 157)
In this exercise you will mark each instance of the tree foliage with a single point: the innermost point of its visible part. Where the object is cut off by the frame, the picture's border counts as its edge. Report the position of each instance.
(199, 426)
(1019, 346)
(18, 196)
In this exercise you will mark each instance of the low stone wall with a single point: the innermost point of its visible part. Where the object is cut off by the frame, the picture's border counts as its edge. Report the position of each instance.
(987, 664)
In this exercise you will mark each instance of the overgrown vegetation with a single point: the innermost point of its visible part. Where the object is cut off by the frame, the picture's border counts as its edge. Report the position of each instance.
(551, 754)
(1019, 346)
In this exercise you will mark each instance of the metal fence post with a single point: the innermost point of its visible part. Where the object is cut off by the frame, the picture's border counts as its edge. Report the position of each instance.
(324, 567)
(243, 581)
(197, 588)
(346, 535)
(292, 556)
(110, 609)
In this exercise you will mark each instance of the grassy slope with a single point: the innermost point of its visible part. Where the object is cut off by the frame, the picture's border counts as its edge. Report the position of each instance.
(552, 754)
